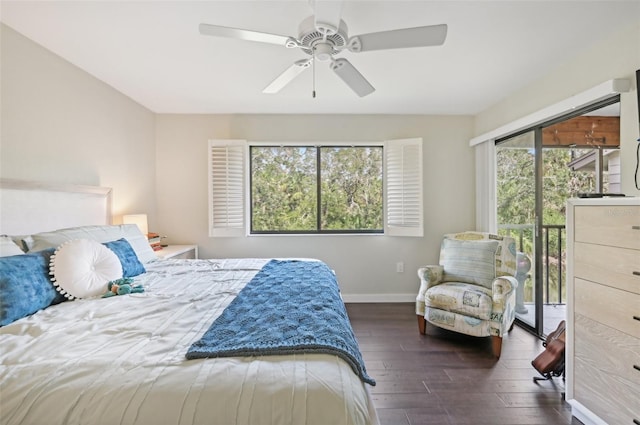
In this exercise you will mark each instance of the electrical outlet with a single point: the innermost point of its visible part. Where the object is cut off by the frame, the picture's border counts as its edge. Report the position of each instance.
(400, 267)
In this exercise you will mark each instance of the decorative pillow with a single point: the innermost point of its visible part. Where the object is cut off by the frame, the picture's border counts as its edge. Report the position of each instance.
(131, 266)
(25, 286)
(139, 243)
(82, 268)
(130, 232)
(8, 247)
(469, 261)
(505, 254)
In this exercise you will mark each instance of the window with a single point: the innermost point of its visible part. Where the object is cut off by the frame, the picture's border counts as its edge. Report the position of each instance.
(309, 189)
(315, 189)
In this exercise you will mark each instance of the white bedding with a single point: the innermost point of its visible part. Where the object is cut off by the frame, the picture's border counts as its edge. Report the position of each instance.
(121, 360)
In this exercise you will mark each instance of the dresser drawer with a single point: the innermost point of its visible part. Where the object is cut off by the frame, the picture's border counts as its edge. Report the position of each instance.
(607, 349)
(608, 265)
(613, 401)
(609, 306)
(605, 379)
(612, 225)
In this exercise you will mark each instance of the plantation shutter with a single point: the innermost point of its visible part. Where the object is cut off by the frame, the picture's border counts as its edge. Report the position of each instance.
(226, 188)
(403, 178)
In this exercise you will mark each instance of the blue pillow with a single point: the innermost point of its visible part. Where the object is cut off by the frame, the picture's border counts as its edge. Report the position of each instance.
(131, 265)
(25, 286)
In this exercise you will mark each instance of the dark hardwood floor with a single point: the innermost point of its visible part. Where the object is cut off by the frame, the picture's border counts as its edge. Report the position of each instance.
(448, 378)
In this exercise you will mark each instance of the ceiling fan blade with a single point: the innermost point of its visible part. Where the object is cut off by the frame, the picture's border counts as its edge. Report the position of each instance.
(262, 37)
(433, 35)
(350, 75)
(287, 76)
(327, 15)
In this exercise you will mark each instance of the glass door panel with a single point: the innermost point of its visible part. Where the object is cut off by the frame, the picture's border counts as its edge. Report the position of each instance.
(580, 154)
(536, 172)
(557, 181)
(516, 163)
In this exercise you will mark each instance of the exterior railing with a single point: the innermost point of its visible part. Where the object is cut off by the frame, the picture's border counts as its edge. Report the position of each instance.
(553, 258)
(554, 238)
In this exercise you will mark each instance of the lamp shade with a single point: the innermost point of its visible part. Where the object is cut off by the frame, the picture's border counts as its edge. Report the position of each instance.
(139, 219)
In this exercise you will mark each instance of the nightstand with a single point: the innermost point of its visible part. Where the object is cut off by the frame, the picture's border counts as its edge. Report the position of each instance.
(178, 252)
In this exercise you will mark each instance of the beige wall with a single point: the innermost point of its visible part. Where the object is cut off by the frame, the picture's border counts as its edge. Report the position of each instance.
(365, 264)
(61, 125)
(616, 57)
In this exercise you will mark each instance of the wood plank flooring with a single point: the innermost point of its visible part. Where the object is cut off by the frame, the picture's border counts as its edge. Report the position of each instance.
(449, 379)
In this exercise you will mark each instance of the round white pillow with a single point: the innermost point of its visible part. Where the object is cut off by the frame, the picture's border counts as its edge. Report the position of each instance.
(82, 268)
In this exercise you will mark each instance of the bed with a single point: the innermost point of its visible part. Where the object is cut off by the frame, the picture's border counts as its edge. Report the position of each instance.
(123, 359)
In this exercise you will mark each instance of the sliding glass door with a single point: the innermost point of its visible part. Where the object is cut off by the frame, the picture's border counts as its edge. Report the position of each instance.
(537, 170)
(517, 162)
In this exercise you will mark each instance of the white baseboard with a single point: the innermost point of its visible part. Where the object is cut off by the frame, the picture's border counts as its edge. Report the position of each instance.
(584, 415)
(379, 298)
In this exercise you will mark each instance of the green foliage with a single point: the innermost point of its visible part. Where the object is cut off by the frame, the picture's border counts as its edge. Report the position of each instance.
(284, 192)
(560, 183)
(516, 206)
(351, 188)
(283, 189)
(515, 184)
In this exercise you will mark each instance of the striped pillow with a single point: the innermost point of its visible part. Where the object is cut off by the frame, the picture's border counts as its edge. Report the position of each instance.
(469, 261)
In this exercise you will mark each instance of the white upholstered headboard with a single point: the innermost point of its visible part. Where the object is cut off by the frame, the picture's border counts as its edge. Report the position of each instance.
(31, 207)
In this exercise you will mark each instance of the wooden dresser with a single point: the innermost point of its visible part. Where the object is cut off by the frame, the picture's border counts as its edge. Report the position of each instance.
(603, 310)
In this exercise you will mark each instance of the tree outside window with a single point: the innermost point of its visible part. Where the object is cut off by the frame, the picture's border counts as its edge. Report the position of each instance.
(309, 189)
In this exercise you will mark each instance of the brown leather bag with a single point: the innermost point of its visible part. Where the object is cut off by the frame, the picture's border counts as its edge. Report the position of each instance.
(551, 361)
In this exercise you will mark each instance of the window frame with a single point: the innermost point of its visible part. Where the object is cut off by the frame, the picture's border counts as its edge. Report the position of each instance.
(318, 155)
(404, 176)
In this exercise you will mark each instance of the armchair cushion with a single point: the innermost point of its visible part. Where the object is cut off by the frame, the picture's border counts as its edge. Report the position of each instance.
(505, 255)
(469, 261)
(458, 297)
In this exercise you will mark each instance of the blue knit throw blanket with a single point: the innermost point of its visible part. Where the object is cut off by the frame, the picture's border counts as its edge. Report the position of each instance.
(289, 307)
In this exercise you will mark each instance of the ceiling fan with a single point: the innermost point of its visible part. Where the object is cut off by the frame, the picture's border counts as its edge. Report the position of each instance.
(325, 35)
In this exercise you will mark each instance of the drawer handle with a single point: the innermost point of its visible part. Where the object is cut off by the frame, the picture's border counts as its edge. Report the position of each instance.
(636, 317)
(637, 422)
(635, 227)
(635, 273)
(636, 367)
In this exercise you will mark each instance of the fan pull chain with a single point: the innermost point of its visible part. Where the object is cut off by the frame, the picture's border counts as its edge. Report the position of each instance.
(313, 65)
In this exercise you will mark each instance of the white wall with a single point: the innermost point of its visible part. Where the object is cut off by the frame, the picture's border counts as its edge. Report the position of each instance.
(61, 125)
(365, 264)
(615, 57)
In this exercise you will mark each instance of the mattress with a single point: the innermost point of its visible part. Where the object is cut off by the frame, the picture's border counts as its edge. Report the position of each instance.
(121, 360)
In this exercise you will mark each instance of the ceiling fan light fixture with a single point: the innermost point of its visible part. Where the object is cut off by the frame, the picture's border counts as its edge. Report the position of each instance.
(322, 51)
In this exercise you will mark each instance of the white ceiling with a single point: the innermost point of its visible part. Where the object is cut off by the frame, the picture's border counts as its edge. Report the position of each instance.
(153, 52)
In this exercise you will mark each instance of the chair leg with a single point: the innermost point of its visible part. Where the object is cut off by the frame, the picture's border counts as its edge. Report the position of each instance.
(496, 345)
(422, 324)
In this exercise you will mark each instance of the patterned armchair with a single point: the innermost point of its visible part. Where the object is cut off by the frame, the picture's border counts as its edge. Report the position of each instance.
(473, 289)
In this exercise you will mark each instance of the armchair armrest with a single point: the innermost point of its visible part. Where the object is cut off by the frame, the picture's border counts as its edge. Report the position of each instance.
(503, 287)
(429, 276)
